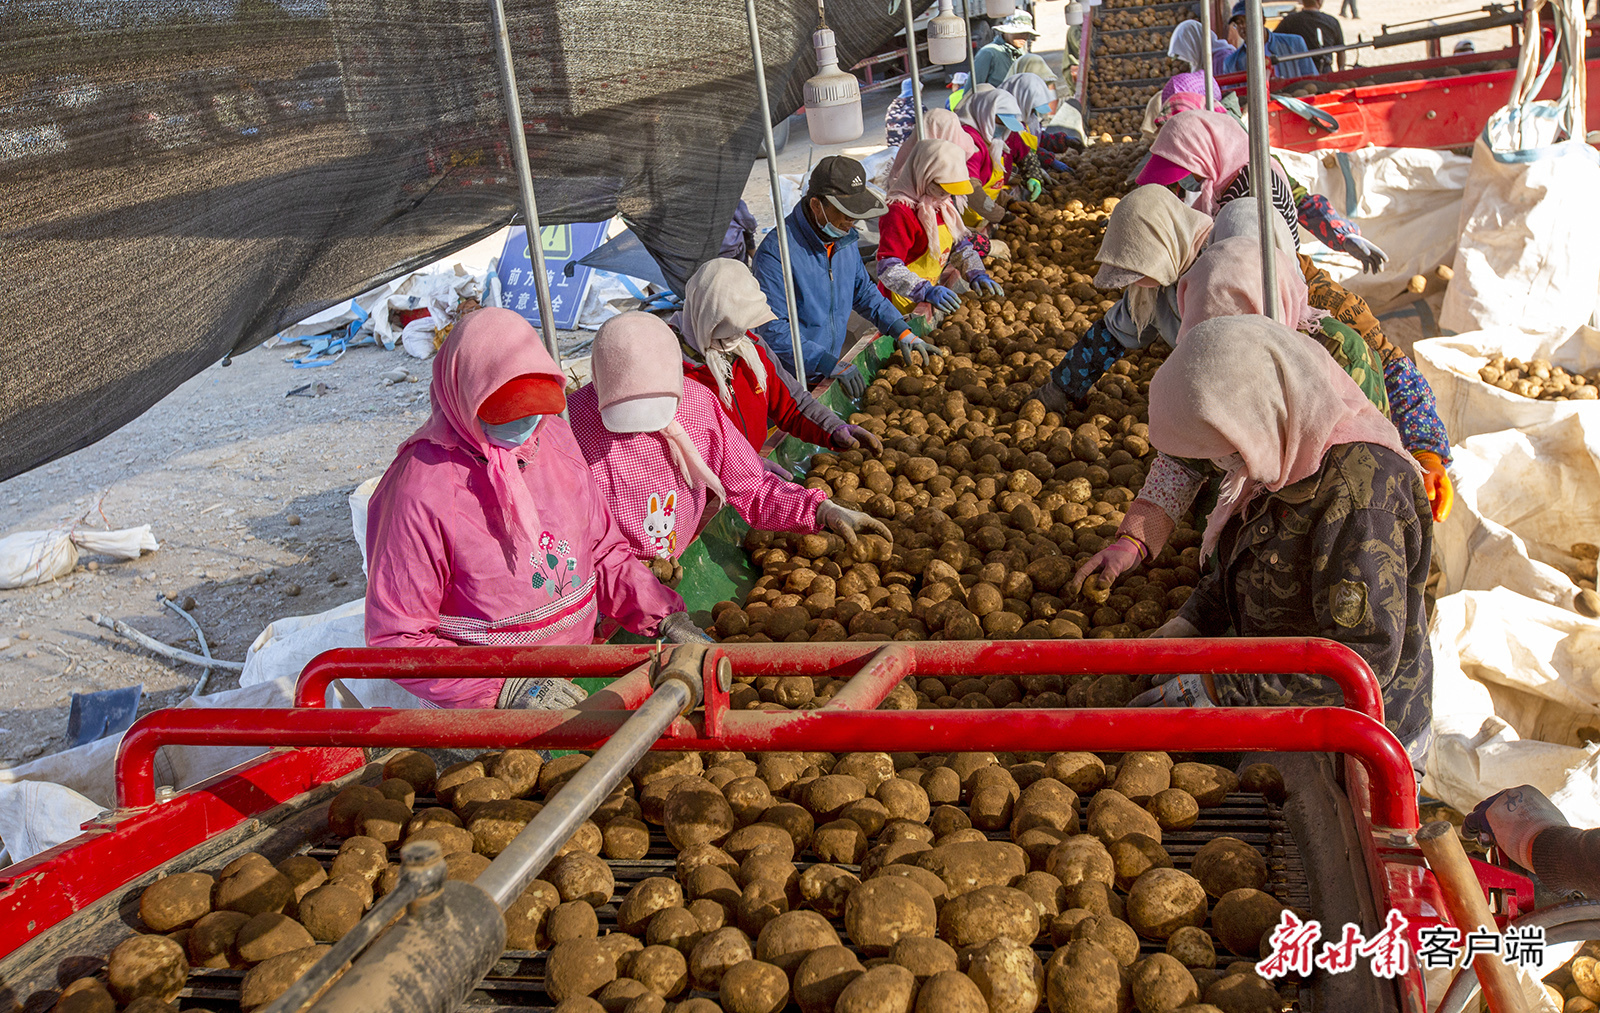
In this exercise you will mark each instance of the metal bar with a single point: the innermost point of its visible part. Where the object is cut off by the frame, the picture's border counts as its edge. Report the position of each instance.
(626, 693)
(1324, 51)
(916, 74)
(1469, 909)
(519, 157)
(1223, 656)
(972, 51)
(1205, 42)
(531, 850)
(1084, 31)
(777, 196)
(868, 687)
(1261, 152)
(1256, 729)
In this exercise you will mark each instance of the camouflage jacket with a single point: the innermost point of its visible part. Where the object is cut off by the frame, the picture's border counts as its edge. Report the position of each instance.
(1343, 555)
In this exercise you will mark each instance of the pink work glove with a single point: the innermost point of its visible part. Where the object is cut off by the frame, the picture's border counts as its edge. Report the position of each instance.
(1112, 561)
(1142, 534)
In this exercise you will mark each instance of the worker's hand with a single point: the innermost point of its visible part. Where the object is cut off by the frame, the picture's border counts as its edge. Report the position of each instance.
(985, 286)
(1111, 562)
(1511, 819)
(772, 467)
(678, 628)
(1365, 250)
(1186, 690)
(943, 299)
(1034, 188)
(851, 381)
(847, 523)
(1060, 142)
(1441, 492)
(1053, 164)
(849, 437)
(1177, 626)
(911, 347)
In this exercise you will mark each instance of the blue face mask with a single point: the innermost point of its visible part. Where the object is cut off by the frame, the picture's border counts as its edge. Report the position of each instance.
(513, 434)
(829, 229)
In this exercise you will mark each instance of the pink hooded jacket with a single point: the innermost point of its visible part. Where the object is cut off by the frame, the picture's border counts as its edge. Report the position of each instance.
(657, 510)
(469, 543)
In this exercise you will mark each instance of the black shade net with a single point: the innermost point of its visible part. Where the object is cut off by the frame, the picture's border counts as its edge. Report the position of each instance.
(181, 180)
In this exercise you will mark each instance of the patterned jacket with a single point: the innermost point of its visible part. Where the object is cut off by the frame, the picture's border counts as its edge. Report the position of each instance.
(1343, 555)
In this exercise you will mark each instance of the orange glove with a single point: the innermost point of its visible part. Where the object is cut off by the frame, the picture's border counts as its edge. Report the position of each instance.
(1437, 481)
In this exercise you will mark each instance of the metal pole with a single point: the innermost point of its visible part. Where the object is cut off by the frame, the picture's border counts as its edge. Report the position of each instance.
(1084, 29)
(777, 195)
(1261, 152)
(916, 72)
(1205, 46)
(533, 848)
(972, 52)
(519, 155)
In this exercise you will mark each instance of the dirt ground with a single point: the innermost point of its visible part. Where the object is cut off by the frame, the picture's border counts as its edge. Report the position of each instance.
(246, 490)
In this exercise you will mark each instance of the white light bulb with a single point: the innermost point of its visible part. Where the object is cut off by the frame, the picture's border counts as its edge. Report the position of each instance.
(947, 37)
(832, 97)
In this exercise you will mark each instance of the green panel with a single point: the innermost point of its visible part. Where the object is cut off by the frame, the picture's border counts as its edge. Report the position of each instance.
(715, 566)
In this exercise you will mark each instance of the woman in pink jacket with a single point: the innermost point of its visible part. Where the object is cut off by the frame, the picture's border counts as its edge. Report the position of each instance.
(667, 457)
(487, 528)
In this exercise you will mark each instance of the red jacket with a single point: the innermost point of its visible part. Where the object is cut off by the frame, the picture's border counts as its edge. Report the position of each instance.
(754, 408)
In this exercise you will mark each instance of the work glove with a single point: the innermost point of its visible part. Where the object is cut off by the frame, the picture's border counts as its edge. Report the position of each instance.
(910, 347)
(943, 299)
(1511, 819)
(1177, 626)
(1441, 493)
(985, 286)
(1054, 164)
(1187, 690)
(849, 437)
(772, 467)
(540, 695)
(1112, 561)
(847, 523)
(1366, 251)
(1034, 188)
(678, 628)
(1060, 141)
(851, 382)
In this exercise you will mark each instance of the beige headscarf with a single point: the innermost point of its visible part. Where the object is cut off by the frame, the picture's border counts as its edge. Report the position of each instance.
(936, 123)
(1259, 396)
(931, 162)
(722, 303)
(1151, 232)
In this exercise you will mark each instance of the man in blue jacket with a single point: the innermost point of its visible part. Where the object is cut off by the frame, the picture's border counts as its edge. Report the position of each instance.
(1278, 44)
(829, 277)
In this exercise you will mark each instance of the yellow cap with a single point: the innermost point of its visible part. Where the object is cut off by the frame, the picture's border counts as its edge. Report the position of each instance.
(959, 187)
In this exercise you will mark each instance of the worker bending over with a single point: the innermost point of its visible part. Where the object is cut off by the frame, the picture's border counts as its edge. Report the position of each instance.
(722, 307)
(1321, 527)
(487, 528)
(667, 457)
(922, 238)
(989, 119)
(829, 278)
(1034, 99)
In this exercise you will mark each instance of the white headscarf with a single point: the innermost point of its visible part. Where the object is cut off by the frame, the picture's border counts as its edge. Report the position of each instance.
(721, 304)
(1186, 44)
(1031, 92)
(982, 110)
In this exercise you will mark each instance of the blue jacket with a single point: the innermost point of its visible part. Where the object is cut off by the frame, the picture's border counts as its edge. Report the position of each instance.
(1278, 44)
(825, 291)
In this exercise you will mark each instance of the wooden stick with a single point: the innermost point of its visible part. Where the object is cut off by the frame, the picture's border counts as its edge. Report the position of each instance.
(1469, 909)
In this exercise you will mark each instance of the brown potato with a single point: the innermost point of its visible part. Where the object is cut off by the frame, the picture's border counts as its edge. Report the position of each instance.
(822, 976)
(578, 967)
(1162, 984)
(826, 888)
(886, 988)
(923, 956)
(271, 978)
(329, 911)
(1111, 816)
(716, 952)
(753, 986)
(1174, 809)
(1083, 977)
(1134, 855)
(528, 916)
(1208, 783)
(787, 939)
(254, 888)
(147, 965)
(989, 913)
(1164, 900)
(581, 876)
(210, 940)
(881, 912)
(176, 901)
(1224, 864)
(969, 865)
(950, 992)
(1242, 916)
(649, 895)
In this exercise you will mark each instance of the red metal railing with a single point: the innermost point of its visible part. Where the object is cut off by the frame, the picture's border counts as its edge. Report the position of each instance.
(978, 658)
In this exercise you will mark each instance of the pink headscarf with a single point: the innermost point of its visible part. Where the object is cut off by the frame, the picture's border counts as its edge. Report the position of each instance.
(485, 350)
(1211, 145)
(918, 187)
(1264, 400)
(938, 124)
(1226, 282)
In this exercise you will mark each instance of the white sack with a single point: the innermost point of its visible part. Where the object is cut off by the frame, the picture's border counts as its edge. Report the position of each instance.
(1522, 498)
(360, 497)
(36, 816)
(285, 647)
(1406, 200)
(37, 557)
(1469, 406)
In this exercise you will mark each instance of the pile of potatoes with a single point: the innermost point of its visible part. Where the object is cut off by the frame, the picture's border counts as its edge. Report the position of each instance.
(1123, 121)
(1136, 17)
(1540, 380)
(1575, 986)
(1151, 42)
(993, 502)
(1135, 68)
(776, 853)
(1121, 95)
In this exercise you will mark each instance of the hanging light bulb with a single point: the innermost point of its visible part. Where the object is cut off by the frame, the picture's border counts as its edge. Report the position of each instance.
(994, 9)
(947, 37)
(1074, 13)
(833, 96)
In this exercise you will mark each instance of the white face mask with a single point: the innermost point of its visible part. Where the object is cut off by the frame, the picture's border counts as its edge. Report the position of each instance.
(513, 434)
(1229, 463)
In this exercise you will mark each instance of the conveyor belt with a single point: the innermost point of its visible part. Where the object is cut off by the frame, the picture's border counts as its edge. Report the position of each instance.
(517, 981)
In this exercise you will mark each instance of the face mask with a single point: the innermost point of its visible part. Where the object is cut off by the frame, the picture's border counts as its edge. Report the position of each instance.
(826, 227)
(1229, 463)
(513, 434)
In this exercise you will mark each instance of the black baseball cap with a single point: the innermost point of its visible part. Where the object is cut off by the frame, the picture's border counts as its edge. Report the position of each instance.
(842, 182)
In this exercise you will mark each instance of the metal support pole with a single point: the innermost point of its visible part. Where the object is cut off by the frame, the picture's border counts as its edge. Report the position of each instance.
(1261, 153)
(972, 52)
(519, 156)
(916, 70)
(533, 848)
(1205, 45)
(777, 195)
(1084, 30)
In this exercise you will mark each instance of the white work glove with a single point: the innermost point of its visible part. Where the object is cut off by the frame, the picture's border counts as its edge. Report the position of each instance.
(1511, 819)
(680, 629)
(847, 523)
(1365, 250)
(1185, 690)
